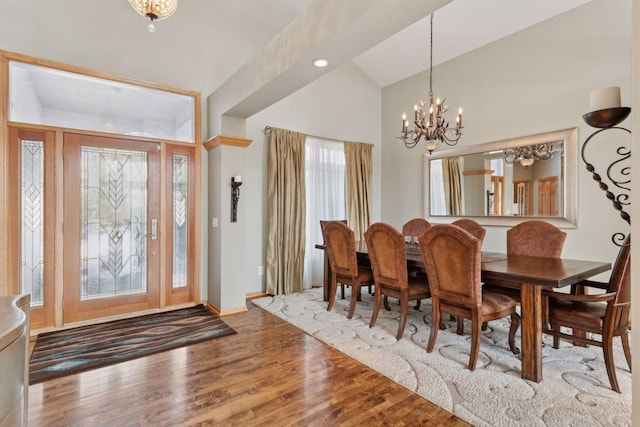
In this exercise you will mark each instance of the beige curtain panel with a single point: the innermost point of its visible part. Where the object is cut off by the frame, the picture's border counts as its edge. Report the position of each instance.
(286, 211)
(358, 183)
(452, 185)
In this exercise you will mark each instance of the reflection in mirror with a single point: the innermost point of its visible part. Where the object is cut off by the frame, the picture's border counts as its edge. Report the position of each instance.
(505, 182)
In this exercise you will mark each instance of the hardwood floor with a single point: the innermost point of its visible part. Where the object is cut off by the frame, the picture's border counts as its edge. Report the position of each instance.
(269, 373)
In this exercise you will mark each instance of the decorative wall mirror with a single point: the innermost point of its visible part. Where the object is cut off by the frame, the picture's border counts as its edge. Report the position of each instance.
(505, 182)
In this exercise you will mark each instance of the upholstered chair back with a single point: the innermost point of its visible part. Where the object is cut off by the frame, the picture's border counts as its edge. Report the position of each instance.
(535, 238)
(340, 244)
(415, 227)
(472, 227)
(452, 259)
(387, 252)
(324, 222)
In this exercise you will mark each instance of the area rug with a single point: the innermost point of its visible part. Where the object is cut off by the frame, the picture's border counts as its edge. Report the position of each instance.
(74, 350)
(575, 390)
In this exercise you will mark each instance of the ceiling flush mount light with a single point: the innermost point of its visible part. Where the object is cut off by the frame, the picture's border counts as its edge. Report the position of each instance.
(431, 124)
(154, 10)
(529, 154)
(320, 62)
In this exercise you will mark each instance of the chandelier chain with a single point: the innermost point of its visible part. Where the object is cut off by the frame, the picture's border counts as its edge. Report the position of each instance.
(431, 58)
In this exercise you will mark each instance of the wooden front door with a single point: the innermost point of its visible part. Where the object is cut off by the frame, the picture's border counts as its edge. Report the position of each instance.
(111, 226)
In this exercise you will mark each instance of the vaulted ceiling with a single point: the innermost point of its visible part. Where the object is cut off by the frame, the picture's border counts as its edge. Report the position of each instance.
(261, 48)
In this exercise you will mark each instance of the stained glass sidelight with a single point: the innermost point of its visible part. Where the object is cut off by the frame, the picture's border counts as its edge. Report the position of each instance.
(32, 184)
(180, 219)
(113, 222)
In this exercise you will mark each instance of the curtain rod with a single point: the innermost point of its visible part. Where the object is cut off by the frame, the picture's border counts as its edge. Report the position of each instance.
(267, 129)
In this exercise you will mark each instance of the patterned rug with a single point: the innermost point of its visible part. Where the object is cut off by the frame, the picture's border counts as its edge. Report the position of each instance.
(575, 390)
(75, 350)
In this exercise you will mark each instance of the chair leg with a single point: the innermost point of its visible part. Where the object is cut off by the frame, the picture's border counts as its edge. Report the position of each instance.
(386, 303)
(355, 293)
(341, 291)
(556, 339)
(626, 348)
(484, 325)
(404, 311)
(376, 308)
(476, 330)
(333, 289)
(515, 324)
(607, 349)
(459, 325)
(417, 307)
(435, 321)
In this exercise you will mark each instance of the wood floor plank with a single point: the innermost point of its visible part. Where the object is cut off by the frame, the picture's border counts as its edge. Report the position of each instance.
(269, 373)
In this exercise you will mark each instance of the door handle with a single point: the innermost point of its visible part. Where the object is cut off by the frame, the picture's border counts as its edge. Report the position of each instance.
(154, 230)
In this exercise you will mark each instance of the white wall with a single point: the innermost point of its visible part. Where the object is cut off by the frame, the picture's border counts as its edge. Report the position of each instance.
(343, 105)
(535, 81)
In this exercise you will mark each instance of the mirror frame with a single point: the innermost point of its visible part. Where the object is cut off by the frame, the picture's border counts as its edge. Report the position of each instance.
(569, 216)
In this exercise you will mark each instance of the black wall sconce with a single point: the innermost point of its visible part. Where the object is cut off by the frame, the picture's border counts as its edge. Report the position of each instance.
(236, 182)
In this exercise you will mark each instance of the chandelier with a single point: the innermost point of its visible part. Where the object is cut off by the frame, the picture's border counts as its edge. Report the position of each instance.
(155, 10)
(528, 154)
(431, 124)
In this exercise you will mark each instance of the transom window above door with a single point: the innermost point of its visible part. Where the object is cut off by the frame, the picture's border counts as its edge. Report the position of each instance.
(46, 96)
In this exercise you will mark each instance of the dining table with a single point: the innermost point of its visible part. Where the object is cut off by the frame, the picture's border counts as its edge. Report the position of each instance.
(529, 274)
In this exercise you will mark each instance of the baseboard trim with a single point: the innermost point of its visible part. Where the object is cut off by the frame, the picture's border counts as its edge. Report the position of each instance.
(256, 294)
(227, 311)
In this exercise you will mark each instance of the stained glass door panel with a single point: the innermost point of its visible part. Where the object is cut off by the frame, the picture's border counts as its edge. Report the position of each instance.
(111, 232)
(30, 220)
(180, 229)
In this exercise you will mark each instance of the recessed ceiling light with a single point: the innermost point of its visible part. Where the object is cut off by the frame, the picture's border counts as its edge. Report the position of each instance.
(320, 62)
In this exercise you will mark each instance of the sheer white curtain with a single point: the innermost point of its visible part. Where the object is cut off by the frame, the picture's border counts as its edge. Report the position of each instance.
(325, 197)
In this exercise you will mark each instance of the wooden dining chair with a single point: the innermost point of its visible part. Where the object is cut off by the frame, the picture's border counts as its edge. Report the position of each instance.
(535, 238)
(452, 257)
(340, 245)
(530, 238)
(415, 227)
(324, 222)
(388, 256)
(472, 227)
(587, 314)
(479, 232)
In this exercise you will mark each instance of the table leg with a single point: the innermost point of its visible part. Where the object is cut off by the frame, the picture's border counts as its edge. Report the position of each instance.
(531, 331)
(327, 277)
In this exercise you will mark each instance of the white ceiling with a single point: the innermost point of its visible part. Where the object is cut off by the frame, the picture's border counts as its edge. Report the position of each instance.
(459, 27)
(207, 44)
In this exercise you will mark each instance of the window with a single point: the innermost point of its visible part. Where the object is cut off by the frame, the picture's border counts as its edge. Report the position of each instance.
(325, 189)
(46, 96)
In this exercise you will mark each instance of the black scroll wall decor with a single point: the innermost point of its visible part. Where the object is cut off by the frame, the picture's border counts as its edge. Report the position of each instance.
(618, 172)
